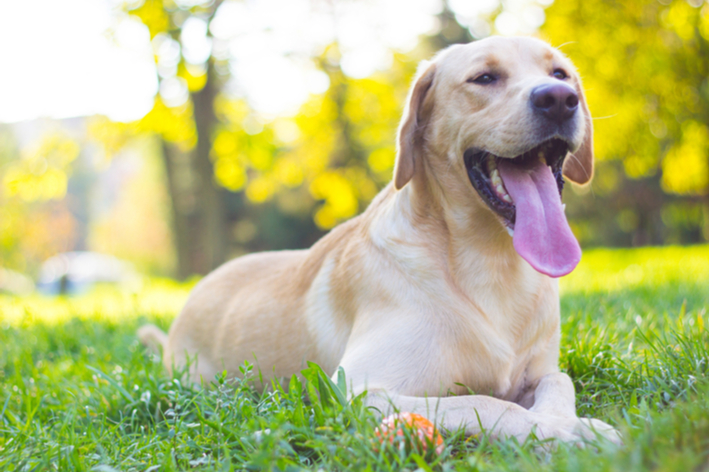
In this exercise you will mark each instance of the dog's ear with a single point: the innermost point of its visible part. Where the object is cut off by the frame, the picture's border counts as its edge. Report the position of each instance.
(409, 136)
(579, 167)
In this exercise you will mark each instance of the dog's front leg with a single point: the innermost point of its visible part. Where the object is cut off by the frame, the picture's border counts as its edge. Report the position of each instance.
(477, 413)
(555, 397)
(500, 418)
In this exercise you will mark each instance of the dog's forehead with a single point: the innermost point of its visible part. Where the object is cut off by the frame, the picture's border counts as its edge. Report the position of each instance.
(508, 53)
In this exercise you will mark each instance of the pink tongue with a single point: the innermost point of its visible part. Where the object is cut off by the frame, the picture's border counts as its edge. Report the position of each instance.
(542, 235)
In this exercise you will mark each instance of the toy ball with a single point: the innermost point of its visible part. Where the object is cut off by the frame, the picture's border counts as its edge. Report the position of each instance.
(405, 427)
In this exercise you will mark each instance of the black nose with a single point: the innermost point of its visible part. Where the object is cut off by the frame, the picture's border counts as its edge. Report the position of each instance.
(558, 102)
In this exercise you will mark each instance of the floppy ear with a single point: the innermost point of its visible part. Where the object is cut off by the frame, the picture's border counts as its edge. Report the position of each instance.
(409, 134)
(579, 167)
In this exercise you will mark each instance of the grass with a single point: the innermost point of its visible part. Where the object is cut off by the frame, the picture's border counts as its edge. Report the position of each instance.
(77, 392)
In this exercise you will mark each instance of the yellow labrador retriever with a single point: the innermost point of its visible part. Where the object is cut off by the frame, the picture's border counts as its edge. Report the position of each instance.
(426, 294)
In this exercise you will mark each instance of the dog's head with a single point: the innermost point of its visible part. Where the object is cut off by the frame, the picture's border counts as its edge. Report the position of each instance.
(497, 123)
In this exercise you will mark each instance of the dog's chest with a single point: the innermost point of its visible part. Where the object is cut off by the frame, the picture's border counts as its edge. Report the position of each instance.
(423, 334)
(486, 347)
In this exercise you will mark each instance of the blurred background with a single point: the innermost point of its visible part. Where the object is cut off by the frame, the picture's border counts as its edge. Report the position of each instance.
(165, 137)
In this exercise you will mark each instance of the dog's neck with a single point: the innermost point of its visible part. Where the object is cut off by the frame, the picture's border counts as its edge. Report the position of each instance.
(457, 232)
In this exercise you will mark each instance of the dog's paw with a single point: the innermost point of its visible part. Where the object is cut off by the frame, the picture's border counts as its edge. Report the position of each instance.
(590, 428)
(577, 431)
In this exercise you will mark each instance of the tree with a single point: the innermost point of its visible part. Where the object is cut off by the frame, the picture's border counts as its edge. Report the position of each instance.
(186, 132)
(322, 176)
(645, 69)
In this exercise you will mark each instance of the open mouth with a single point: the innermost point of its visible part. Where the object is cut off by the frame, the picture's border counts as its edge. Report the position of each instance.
(484, 174)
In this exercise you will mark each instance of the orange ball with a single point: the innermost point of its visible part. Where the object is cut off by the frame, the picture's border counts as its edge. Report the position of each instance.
(419, 429)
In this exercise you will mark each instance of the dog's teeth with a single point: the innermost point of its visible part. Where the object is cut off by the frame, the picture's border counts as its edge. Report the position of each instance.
(491, 163)
(510, 231)
(497, 181)
(564, 207)
(495, 178)
(541, 155)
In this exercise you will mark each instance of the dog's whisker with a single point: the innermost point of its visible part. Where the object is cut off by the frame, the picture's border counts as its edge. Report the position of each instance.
(565, 44)
(603, 117)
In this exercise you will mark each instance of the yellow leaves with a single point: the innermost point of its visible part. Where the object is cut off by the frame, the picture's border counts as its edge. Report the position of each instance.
(639, 165)
(703, 26)
(224, 144)
(261, 158)
(607, 66)
(154, 15)
(317, 136)
(34, 223)
(368, 98)
(685, 167)
(340, 198)
(57, 150)
(41, 173)
(643, 67)
(339, 146)
(381, 160)
(260, 189)
(51, 184)
(194, 76)
(250, 161)
(113, 136)
(231, 111)
(679, 18)
(175, 125)
(289, 172)
(233, 153)
(230, 174)
(372, 107)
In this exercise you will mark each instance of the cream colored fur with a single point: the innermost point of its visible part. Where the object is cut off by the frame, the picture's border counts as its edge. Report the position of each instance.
(423, 293)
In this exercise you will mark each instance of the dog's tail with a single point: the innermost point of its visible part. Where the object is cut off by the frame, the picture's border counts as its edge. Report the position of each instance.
(153, 338)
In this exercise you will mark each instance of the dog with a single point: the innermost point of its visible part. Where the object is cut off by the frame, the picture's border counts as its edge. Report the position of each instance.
(446, 284)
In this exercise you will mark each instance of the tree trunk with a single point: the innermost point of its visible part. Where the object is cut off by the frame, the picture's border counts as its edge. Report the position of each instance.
(210, 198)
(180, 211)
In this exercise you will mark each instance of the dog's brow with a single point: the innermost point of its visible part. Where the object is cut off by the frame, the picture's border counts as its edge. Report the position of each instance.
(492, 62)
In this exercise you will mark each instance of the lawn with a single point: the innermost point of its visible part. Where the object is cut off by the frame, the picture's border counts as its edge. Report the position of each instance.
(77, 391)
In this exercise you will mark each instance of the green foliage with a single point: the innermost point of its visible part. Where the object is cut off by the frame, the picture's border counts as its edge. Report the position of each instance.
(77, 392)
(644, 66)
(34, 221)
(41, 174)
(259, 182)
(330, 159)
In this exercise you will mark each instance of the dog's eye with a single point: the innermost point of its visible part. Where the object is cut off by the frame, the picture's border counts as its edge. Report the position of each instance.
(483, 79)
(559, 74)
